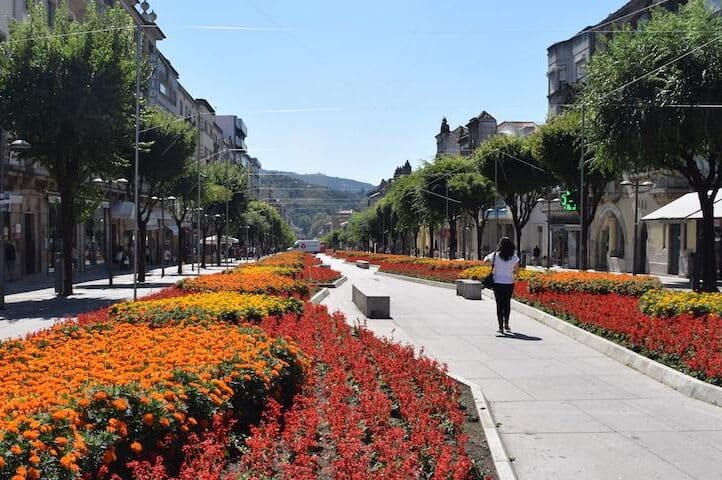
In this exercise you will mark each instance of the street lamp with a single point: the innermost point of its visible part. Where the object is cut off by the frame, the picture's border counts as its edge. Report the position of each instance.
(248, 227)
(549, 230)
(121, 182)
(15, 146)
(635, 184)
(162, 230)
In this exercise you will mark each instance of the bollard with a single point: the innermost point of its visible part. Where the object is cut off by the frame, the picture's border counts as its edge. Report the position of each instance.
(59, 270)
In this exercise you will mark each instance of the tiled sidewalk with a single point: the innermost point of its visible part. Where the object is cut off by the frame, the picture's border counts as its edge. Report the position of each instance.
(564, 411)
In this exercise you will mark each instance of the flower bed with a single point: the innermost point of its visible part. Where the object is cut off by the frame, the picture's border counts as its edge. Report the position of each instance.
(285, 259)
(669, 303)
(226, 306)
(594, 282)
(320, 275)
(687, 343)
(373, 410)
(169, 388)
(76, 399)
(480, 272)
(247, 281)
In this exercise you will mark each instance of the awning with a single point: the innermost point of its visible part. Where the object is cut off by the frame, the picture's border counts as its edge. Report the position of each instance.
(212, 240)
(122, 210)
(685, 207)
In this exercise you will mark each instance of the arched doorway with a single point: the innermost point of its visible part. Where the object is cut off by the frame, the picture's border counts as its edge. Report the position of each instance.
(608, 237)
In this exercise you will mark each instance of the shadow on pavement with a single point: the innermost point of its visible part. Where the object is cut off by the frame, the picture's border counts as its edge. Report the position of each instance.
(51, 309)
(123, 285)
(519, 336)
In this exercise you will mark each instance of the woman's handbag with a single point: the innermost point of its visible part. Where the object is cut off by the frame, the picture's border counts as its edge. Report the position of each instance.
(488, 281)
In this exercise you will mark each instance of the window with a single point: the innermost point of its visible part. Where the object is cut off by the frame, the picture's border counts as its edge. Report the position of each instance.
(563, 76)
(581, 69)
(664, 236)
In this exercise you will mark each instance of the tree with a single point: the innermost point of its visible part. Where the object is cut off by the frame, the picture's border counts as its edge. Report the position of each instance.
(557, 145)
(183, 187)
(519, 178)
(268, 227)
(438, 195)
(477, 195)
(225, 182)
(167, 145)
(406, 204)
(68, 89)
(645, 97)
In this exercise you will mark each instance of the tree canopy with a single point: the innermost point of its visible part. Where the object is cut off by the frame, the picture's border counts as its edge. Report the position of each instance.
(68, 89)
(646, 96)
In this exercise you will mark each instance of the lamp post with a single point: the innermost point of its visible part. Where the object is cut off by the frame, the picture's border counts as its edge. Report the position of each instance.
(162, 230)
(15, 146)
(549, 230)
(109, 223)
(635, 184)
(217, 216)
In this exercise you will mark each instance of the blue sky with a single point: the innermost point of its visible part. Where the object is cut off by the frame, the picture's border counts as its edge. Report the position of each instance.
(354, 89)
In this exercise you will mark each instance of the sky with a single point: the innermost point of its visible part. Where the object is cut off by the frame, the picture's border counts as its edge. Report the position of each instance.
(354, 89)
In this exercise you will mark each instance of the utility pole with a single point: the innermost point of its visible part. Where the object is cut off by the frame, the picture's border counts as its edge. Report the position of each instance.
(137, 162)
(197, 246)
(3, 150)
(583, 265)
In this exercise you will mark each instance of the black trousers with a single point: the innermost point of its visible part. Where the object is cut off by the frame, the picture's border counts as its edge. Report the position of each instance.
(503, 293)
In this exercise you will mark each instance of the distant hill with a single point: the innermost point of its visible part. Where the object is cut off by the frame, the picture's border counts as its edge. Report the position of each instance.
(334, 183)
(310, 205)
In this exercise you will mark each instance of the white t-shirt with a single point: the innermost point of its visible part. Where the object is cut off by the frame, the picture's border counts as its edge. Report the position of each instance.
(503, 269)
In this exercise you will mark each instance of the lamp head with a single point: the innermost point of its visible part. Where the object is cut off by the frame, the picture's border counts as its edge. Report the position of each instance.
(98, 181)
(122, 181)
(626, 183)
(19, 146)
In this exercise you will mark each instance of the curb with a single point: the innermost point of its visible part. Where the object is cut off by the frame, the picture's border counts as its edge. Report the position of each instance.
(422, 281)
(684, 384)
(504, 468)
(320, 296)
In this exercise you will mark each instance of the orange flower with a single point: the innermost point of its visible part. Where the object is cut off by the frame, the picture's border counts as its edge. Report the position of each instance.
(164, 422)
(148, 419)
(33, 474)
(100, 396)
(61, 441)
(16, 450)
(34, 459)
(31, 434)
(109, 457)
(136, 447)
(120, 404)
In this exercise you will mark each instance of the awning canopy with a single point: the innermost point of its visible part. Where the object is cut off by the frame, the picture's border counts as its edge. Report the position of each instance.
(122, 210)
(224, 240)
(685, 207)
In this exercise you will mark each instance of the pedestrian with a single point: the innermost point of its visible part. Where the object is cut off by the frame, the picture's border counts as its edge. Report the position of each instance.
(505, 265)
(535, 254)
(10, 257)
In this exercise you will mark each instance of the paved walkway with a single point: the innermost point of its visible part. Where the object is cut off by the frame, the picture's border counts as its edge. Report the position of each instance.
(564, 411)
(32, 310)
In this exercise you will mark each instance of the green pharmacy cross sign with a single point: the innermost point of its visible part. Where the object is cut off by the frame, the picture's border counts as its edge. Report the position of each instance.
(568, 202)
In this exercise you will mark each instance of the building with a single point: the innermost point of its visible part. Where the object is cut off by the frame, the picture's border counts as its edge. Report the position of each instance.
(568, 59)
(234, 133)
(210, 135)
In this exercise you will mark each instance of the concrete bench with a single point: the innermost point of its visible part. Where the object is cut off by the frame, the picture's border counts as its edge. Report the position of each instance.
(469, 289)
(372, 304)
(362, 264)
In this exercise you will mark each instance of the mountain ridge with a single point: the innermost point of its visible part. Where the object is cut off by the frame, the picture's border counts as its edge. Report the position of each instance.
(323, 180)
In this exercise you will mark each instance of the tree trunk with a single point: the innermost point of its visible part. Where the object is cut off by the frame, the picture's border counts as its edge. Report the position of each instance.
(708, 260)
(517, 231)
(416, 242)
(479, 233)
(142, 231)
(452, 238)
(218, 250)
(431, 242)
(67, 232)
(204, 232)
(179, 252)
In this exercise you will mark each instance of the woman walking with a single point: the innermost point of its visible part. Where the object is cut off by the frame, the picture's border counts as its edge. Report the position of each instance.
(505, 266)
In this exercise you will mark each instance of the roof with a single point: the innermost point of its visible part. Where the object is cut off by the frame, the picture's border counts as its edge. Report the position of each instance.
(685, 207)
(204, 102)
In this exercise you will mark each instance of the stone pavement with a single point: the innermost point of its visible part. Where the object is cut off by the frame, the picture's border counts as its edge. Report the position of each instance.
(33, 310)
(563, 410)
